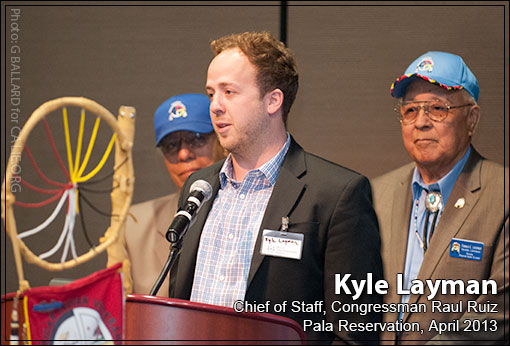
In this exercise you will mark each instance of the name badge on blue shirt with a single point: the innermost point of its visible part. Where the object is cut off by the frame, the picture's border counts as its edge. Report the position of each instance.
(467, 249)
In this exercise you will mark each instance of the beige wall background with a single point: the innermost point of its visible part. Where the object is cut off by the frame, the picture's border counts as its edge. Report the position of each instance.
(348, 54)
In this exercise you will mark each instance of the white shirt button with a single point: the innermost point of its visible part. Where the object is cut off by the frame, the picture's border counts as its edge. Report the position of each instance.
(222, 278)
(241, 196)
(230, 236)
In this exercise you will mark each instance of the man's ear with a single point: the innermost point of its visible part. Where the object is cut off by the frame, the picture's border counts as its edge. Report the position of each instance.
(473, 119)
(274, 101)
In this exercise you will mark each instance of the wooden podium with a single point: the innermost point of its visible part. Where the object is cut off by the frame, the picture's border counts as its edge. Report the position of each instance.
(163, 321)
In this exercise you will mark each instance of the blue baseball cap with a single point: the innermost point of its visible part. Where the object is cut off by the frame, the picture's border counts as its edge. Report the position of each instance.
(187, 112)
(444, 69)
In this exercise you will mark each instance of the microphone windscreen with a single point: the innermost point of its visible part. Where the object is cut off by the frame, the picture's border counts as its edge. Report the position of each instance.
(202, 186)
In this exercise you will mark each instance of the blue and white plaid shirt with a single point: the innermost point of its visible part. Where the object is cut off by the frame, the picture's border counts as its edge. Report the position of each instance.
(230, 232)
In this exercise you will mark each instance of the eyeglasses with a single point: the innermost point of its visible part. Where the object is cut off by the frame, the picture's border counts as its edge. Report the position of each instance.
(171, 144)
(435, 110)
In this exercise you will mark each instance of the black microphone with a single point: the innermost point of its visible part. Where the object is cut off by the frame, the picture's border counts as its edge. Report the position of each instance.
(199, 192)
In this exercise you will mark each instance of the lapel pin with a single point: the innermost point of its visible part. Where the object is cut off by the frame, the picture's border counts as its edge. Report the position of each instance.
(460, 203)
(285, 223)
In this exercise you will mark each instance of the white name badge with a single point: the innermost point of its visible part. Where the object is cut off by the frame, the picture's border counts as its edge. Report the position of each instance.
(282, 244)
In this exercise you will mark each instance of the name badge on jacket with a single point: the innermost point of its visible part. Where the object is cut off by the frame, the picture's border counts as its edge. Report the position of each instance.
(467, 249)
(282, 244)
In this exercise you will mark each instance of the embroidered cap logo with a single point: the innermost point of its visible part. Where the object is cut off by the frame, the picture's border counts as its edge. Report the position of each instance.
(425, 64)
(177, 110)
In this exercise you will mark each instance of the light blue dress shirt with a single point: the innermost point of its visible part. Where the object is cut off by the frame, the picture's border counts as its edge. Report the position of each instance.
(415, 253)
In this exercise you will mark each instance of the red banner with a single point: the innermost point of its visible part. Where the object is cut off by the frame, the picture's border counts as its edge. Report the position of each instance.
(89, 309)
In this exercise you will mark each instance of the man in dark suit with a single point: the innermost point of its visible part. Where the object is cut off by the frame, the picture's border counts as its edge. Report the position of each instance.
(282, 222)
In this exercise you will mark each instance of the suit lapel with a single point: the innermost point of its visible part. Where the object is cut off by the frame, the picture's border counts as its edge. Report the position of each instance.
(401, 211)
(286, 192)
(451, 220)
(399, 202)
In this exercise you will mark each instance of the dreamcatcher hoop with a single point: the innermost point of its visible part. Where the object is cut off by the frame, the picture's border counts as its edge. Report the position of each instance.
(121, 195)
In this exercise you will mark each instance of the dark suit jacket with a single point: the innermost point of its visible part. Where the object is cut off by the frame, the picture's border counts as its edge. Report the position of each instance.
(332, 207)
(483, 218)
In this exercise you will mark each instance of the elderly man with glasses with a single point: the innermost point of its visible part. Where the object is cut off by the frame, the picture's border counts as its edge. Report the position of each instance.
(444, 216)
(186, 138)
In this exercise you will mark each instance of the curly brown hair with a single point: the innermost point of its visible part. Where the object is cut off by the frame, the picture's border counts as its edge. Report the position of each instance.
(275, 63)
